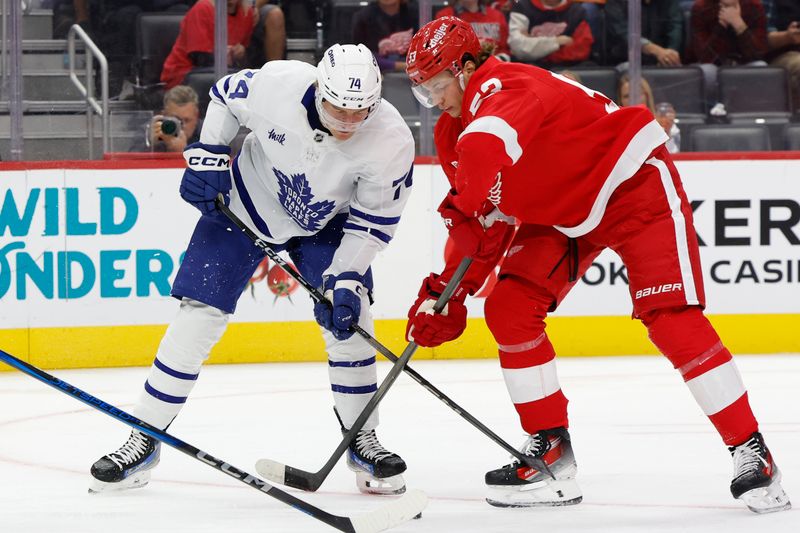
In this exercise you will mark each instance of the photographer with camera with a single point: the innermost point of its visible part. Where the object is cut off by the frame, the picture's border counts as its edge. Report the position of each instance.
(177, 124)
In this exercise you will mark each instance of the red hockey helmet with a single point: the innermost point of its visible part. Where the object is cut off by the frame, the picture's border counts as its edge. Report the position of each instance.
(440, 45)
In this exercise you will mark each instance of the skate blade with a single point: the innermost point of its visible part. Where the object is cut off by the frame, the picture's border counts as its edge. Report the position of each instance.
(388, 486)
(769, 499)
(551, 493)
(134, 481)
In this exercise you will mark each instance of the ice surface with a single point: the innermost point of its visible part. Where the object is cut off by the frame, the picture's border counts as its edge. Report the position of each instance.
(648, 459)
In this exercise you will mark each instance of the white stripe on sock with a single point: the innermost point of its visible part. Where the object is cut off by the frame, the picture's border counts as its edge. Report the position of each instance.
(532, 383)
(718, 388)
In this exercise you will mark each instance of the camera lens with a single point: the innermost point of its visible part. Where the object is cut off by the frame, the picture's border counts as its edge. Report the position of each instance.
(169, 126)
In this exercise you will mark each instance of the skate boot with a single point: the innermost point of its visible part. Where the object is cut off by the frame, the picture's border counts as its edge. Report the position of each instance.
(127, 468)
(519, 485)
(378, 471)
(756, 478)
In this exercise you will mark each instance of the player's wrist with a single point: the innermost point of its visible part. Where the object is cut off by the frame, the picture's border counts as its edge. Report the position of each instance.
(205, 157)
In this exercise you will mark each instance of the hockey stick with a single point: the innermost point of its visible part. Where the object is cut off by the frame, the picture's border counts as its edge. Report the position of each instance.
(297, 478)
(387, 516)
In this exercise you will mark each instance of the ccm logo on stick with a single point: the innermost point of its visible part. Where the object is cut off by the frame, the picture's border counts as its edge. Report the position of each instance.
(651, 291)
(209, 161)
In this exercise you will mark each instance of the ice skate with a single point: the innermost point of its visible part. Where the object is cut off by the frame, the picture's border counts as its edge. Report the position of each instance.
(756, 478)
(127, 468)
(519, 485)
(378, 471)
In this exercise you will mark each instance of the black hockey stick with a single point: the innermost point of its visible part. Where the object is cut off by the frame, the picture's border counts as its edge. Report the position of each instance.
(294, 477)
(387, 516)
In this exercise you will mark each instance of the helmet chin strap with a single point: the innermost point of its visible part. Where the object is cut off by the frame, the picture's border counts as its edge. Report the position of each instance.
(330, 122)
(333, 123)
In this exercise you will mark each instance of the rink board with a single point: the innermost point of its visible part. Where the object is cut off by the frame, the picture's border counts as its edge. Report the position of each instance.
(88, 251)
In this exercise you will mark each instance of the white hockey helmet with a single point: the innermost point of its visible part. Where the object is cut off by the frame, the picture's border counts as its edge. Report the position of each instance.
(348, 77)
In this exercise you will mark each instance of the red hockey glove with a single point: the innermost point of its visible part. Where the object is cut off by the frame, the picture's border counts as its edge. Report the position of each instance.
(429, 329)
(468, 233)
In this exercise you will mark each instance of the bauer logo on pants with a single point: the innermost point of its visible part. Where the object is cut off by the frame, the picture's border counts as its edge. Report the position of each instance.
(652, 291)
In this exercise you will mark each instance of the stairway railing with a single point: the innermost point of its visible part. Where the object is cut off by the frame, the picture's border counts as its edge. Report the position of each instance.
(101, 108)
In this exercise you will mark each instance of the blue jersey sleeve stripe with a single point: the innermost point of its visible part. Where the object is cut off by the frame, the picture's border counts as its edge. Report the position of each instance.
(247, 201)
(226, 84)
(385, 237)
(216, 93)
(375, 219)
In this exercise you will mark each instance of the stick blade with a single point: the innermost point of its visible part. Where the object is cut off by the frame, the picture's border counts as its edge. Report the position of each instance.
(271, 470)
(391, 514)
(289, 476)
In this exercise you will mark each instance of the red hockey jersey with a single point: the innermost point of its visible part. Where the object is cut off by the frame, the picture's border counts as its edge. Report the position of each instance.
(541, 147)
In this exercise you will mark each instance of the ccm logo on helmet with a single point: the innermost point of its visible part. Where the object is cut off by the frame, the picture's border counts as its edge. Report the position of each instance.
(652, 291)
(209, 161)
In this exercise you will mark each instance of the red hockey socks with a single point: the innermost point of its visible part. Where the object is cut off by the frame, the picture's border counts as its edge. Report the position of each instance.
(515, 315)
(688, 340)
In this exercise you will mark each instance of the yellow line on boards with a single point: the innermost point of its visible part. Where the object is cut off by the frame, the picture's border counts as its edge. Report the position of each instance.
(112, 346)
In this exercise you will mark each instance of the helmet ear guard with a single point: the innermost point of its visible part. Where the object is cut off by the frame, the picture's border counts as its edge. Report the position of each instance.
(348, 77)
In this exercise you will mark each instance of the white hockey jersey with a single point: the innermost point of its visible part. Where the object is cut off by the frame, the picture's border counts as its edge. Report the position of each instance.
(291, 177)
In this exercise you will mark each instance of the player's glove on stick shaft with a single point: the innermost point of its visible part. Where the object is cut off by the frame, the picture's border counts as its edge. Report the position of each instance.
(208, 174)
(429, 329)
(343, 307)
(469, 235)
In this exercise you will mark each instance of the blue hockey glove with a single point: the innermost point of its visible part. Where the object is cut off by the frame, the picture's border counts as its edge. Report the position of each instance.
(343, 307)
(207, 175)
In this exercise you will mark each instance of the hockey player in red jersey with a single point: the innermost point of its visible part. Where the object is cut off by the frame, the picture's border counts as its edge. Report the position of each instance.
(576, 174)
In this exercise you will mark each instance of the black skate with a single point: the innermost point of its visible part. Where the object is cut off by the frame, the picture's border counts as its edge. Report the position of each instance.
(519, 485)
(378, 471)
(129, 467)
(756, 478)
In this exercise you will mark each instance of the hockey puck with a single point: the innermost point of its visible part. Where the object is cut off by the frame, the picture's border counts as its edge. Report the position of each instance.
(418, 516)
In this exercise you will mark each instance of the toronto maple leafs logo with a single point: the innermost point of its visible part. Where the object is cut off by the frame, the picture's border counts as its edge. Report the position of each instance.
(295, 195)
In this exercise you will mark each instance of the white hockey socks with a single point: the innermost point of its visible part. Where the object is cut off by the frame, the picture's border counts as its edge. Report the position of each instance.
(352, 371)
(187, 343)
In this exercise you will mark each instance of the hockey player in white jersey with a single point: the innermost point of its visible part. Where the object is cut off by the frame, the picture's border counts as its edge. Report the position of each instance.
(324, 175)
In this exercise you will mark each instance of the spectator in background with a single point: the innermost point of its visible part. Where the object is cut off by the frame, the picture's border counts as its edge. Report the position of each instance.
(269, 35)
(724, 33)
(178, 123)
(386, 27)
(595, 17)
(783, 40)
(728, 32)
(665, 116)
(194, 47)
(664, 112)
(662, 32)
(645, 94)
(503, 6)
(489, 24)
(549, 32)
